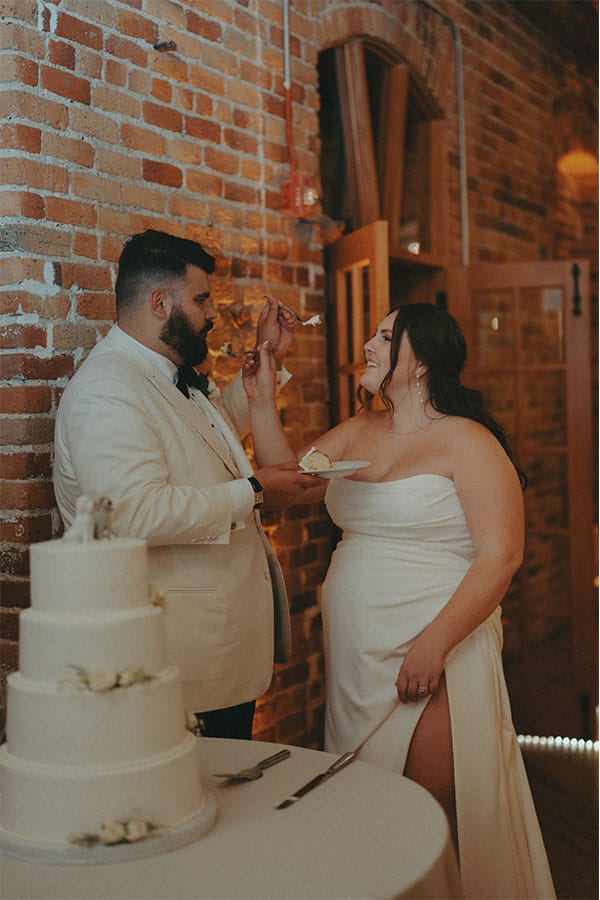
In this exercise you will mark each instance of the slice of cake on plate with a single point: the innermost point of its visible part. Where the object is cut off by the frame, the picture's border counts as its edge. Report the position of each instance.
(315, 460)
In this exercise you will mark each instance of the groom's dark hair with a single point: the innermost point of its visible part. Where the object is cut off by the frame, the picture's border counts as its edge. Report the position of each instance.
(156, 258)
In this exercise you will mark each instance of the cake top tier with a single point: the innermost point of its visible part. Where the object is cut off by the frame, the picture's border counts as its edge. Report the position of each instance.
(89, 569)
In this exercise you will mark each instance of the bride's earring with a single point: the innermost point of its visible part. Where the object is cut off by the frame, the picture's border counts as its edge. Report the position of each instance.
(420, 389)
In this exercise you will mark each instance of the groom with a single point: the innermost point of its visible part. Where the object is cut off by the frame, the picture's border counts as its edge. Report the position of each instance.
(134, 425)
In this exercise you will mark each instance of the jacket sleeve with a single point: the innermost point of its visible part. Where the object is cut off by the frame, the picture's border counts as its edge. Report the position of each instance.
(110, 445)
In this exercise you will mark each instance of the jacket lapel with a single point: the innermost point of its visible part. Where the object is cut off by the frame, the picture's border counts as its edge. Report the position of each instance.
(189, 410)
(195, 418)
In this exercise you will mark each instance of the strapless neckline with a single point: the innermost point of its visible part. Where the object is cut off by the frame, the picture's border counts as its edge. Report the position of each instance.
(400, 480)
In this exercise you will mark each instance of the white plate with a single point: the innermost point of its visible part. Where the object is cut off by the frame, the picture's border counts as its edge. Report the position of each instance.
(340, 469)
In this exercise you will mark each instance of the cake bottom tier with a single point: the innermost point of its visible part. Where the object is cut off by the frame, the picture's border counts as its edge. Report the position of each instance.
(53, 804)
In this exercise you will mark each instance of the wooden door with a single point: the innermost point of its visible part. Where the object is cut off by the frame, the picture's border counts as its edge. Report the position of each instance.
(359, 267)
(528, 330)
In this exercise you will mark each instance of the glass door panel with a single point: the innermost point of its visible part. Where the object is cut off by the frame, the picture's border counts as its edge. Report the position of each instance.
(546, 497)
(500, 392)
(494, 331)
(542, 326)
(544, 408)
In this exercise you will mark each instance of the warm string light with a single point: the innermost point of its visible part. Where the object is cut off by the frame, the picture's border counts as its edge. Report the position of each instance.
(563, 742)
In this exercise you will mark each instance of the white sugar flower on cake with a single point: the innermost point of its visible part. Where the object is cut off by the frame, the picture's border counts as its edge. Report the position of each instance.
(124, 831)
(101, 680)
(191, 723)
(98, 680)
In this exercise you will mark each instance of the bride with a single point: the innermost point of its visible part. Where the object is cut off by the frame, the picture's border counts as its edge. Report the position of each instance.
(432, 536)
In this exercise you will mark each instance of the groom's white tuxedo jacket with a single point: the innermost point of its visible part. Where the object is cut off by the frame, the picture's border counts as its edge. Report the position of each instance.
(124, 431)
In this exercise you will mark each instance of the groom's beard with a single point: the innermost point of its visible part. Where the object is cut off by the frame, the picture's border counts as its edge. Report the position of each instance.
(188, 344)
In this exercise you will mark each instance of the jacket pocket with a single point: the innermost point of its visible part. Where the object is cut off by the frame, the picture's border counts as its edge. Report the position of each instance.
(195, 632)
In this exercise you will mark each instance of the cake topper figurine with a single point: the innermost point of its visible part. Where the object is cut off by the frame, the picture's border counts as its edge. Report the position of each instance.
(103, 519)
(93, 520)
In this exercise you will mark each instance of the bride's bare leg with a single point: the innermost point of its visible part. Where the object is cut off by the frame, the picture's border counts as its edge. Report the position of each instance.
(430, 762)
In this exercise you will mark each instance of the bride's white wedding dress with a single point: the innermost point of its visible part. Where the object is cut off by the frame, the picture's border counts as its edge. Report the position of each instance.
(406, 546)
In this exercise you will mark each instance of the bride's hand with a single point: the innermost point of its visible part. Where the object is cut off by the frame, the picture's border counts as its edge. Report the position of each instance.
(259, 373)
(421, 670)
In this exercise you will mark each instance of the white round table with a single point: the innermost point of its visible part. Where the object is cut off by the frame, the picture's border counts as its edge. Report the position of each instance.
(364, 833)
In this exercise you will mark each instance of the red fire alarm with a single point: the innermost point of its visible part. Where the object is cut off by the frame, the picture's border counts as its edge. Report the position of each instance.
(298, 196)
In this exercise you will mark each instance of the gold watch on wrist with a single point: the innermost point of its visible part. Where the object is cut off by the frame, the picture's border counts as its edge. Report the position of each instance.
(259, 494)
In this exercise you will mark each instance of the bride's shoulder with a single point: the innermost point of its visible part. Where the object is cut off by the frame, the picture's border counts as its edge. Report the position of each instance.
(467, 436)
(459, 425)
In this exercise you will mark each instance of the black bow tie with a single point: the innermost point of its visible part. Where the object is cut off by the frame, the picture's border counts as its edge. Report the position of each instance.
(188, 377)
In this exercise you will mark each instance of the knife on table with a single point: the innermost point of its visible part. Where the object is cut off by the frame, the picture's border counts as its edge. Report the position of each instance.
(337, 766)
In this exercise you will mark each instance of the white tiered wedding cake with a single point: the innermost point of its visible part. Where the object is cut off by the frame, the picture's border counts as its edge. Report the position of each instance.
(100, 758)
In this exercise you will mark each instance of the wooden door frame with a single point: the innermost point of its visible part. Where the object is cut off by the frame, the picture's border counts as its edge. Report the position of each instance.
(579, 434)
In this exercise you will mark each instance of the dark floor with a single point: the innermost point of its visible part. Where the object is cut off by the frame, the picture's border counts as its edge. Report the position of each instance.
(564, 783)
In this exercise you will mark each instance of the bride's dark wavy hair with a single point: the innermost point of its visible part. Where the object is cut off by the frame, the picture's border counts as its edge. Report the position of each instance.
(439, 344)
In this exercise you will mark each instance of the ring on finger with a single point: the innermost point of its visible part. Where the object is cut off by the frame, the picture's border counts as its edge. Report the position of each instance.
(422, 690)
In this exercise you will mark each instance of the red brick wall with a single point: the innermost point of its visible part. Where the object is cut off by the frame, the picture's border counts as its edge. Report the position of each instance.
(102, 136)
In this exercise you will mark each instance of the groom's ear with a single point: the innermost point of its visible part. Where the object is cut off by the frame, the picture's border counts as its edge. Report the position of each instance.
(159, 303)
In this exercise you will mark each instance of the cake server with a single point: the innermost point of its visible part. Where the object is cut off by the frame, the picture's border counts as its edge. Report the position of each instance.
(254, 772)
(335, 767)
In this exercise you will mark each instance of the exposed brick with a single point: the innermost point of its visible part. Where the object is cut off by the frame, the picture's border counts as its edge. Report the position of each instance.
(75, 29)
(162, 173)
(96, 306)
(71, 212)
(61, 54)
(20, 203)
(85, 245)
(29, 431)
(15, 335)
(162, 90)
(67, 336)
(204, 129)
(26, 495)
(116, 102)
(95, 278)
(14, 560)
(21, 137)
(10, 632)
(25, 399)
(227, 163)
(42, 239)
(14, 594)
(77, 152)
(124, 49)
(65, 84)
(15, 365)
(140, 138)
(239, 193)
(15, 466)
(203, 183)
(19, 69)
(163, 117)
(116, 73)
(13, 302)
(237, 140)
(206, 28)
(34, 174)
(137, 26)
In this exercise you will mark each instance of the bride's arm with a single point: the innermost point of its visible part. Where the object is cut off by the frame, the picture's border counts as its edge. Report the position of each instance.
(270, 442)
(492, 500)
